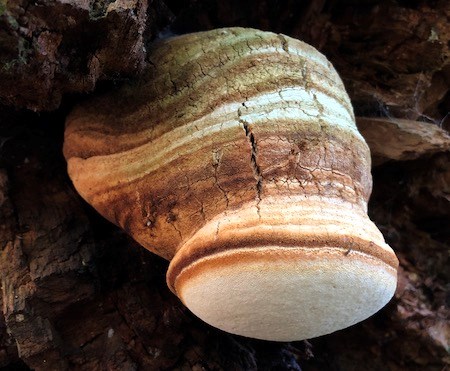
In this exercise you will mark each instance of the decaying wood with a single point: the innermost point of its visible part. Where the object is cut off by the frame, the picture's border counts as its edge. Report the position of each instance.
(401, 140)
(52, 48)
(78, 294)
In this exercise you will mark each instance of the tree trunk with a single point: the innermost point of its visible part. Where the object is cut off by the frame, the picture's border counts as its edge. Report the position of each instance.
(78, 293)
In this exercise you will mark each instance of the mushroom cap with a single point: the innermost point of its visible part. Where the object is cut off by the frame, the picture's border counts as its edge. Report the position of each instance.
(237, 158)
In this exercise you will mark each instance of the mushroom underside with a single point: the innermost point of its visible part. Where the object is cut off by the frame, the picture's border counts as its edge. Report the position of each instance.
(293, 279)
(297, 297)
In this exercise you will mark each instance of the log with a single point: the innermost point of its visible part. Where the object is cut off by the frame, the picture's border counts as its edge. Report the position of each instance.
(79, 294)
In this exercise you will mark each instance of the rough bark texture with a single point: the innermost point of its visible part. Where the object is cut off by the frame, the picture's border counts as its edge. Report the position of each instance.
(51, 48)
(79, 294)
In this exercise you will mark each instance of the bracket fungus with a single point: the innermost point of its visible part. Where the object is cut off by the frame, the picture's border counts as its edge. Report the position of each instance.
(237, 158)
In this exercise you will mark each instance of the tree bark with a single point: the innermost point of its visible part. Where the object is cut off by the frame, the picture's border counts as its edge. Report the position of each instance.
(79, 294)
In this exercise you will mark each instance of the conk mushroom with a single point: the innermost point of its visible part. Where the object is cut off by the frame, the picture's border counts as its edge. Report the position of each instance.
(237, 158)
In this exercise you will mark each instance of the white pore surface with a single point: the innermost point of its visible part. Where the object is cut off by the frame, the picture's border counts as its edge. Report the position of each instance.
(289, 300)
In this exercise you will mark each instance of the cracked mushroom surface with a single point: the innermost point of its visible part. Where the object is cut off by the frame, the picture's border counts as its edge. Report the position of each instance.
(237, 158)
